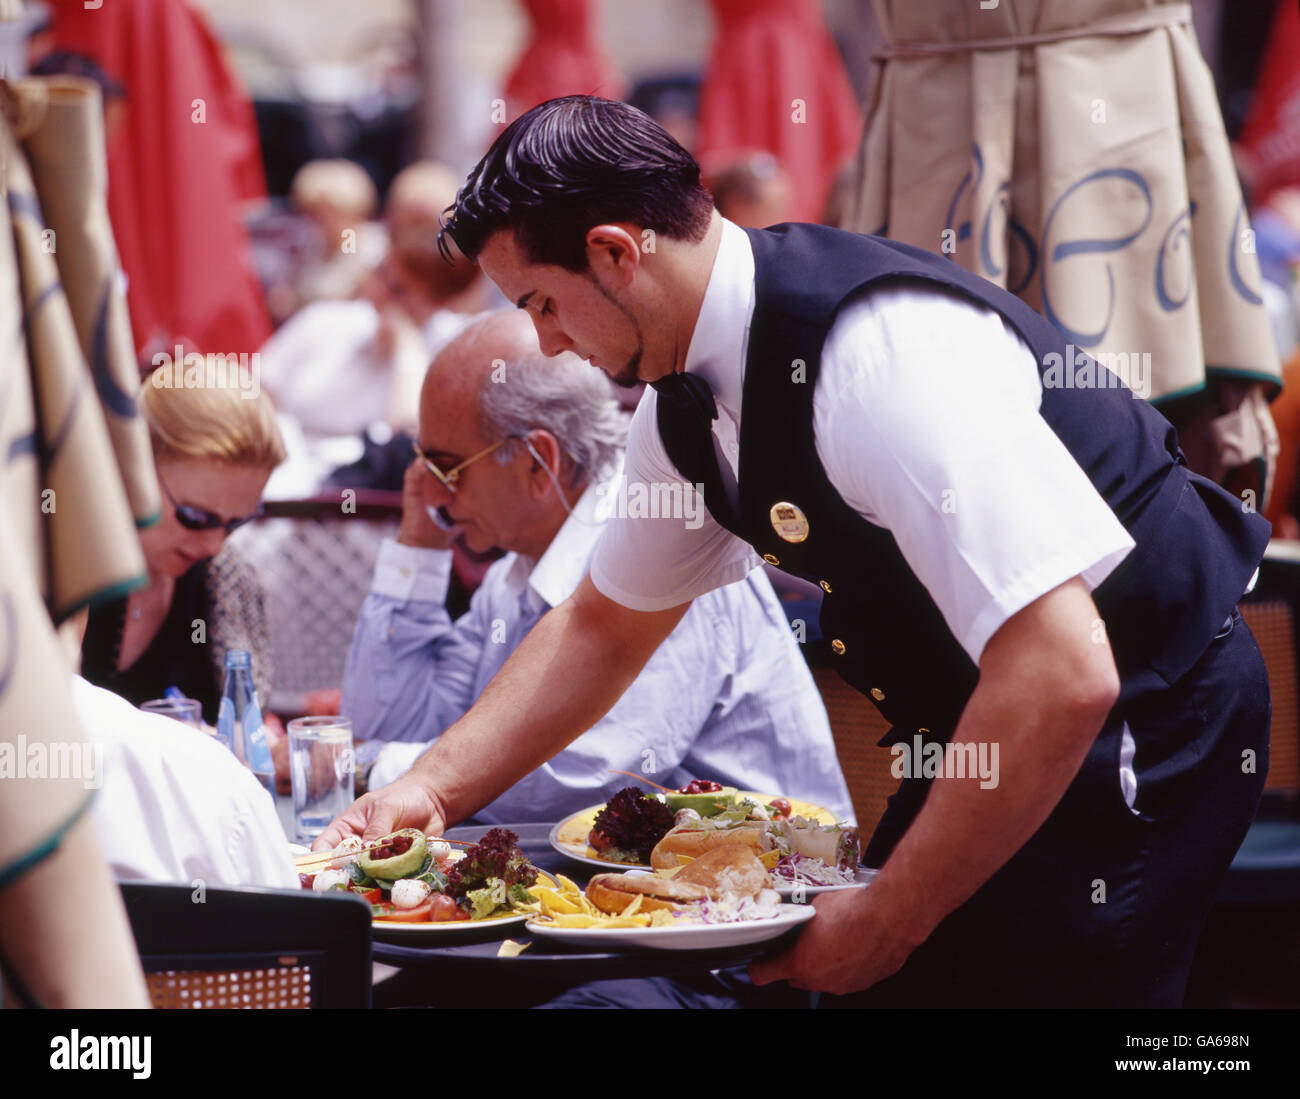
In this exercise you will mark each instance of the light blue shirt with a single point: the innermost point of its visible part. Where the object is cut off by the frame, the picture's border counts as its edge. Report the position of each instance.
(726, 697)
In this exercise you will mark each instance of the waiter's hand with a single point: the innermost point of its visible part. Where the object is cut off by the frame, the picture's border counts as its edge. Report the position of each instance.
(401, 804)
(847, 947)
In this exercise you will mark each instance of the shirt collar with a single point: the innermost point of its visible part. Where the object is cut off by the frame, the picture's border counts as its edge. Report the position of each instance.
(717, 350)
(555, 576)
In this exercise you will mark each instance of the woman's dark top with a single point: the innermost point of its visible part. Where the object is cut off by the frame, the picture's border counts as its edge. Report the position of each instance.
(216, 606)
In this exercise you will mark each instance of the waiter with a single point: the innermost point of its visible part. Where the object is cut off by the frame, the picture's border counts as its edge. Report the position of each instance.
(1015, 560)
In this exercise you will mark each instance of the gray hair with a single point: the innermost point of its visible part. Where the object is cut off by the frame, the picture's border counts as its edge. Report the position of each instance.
(562, 395)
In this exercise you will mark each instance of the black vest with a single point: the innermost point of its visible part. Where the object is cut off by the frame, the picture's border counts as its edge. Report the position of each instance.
(1196, 546)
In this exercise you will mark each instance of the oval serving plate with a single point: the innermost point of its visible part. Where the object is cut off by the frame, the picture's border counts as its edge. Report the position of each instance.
(689, 936)
(569, 836)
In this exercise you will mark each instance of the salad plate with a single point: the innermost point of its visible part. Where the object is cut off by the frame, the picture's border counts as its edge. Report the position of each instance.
(496, 856)
(453, 930)
(787, 889)
(569, 836)
(688, 936)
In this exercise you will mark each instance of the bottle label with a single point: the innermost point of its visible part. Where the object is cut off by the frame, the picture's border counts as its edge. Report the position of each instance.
(226, 722)
(259, 752)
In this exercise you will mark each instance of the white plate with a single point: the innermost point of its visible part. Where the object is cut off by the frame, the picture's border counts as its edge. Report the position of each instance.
(569, 836)
(397, 929)
(863, 876)
(445, 929)
(689, 936)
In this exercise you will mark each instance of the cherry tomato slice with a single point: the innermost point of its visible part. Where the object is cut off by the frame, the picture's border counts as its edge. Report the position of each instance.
(421, 913)
(444, 908)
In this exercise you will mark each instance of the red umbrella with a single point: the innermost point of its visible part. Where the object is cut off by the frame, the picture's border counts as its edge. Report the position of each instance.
(562, 57)
(776, 82)
(180, 164)
(1270, 137)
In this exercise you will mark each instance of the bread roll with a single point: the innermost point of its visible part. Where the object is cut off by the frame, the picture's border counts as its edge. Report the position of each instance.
(731, 871)
(614, 892)
(699, 836)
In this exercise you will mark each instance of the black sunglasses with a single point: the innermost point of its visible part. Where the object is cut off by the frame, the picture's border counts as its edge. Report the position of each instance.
(192, 518)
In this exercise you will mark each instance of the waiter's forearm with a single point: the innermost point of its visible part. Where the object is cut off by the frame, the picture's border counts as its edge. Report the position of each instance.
(565, 676)
(1043, 708)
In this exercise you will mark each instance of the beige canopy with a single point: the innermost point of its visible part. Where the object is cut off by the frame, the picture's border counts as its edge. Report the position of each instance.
(68, 329)
(1073, 151)
(68, 535)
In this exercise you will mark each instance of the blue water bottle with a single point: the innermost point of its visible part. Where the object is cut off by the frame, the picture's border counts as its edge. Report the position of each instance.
(239, 720)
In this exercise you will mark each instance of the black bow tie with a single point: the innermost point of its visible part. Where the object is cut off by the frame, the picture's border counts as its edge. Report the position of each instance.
(689, 395)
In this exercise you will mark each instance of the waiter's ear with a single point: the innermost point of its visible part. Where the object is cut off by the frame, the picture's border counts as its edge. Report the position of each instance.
(614, 252)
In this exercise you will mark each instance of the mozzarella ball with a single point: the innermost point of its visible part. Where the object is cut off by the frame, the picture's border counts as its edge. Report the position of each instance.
(328, 879)
(408, 893)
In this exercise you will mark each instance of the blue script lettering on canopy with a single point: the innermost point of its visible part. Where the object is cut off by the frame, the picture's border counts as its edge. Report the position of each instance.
(963, 230)
(1179, 231)
(8, 641)
(1019, 232)
(1092, 246)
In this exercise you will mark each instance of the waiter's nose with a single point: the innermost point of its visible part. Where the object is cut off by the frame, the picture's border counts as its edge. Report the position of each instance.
(550, 337)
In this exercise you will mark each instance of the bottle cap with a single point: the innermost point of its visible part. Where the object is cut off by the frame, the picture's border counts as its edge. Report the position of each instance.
(237, 658)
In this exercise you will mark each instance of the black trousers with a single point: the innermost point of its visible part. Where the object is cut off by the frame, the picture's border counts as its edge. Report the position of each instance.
(1103, 906)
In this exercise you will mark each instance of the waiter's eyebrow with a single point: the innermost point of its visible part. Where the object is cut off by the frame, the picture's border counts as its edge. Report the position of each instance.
(522, 303)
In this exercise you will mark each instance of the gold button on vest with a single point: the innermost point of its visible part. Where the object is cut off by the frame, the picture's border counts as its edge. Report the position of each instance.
(771, 559)
(826, 587)
(837, 647)
(877, 694)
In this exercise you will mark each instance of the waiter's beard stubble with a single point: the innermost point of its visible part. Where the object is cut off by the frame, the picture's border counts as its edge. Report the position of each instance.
(628, 376)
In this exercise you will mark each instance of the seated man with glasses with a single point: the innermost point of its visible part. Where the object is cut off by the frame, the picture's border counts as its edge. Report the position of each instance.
(522, 452)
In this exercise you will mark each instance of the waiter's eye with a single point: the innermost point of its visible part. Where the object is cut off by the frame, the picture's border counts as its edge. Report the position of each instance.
(546, 309)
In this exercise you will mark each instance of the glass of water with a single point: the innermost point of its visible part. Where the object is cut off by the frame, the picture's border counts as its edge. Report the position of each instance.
(321, 765)
(187, 710)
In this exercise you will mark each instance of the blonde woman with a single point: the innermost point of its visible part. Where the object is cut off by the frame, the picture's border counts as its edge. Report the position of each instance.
(214, 449)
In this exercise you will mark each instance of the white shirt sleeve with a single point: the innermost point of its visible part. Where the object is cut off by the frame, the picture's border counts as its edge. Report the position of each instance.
(174, 805)
(926, 420)
(650, 562)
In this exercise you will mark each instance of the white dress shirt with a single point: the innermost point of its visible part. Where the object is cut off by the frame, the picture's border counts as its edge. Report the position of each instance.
(322, 369)
(726, 697)
(175, 805)
(926, 421)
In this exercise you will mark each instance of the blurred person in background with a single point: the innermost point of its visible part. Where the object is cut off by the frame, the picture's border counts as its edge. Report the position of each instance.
(214, 448)
(751, 189)
(340, 201)
(338, 367)
(727, 697)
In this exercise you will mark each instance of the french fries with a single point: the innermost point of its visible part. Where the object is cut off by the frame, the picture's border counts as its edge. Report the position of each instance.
(569, 907)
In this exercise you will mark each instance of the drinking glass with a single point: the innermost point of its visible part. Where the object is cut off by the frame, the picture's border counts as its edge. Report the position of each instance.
(321, 765)
(186, 710)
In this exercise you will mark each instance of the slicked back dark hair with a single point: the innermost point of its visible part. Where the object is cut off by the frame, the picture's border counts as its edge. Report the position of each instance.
(572, 163)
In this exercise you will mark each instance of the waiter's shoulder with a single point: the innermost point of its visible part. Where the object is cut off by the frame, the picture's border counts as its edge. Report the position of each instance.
(898, 323)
